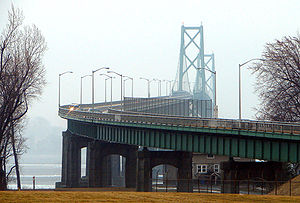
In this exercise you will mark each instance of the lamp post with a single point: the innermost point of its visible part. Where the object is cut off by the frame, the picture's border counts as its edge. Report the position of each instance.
(81, 86)
(105, 89)
(175, 84)
(167, 81)
(94, 71)
(131, 85)
(148, 81)
(240, 90)
(124, 86)
(108, 77)
(159, 86)
(59, 75)
(121, 76)
(172, 87)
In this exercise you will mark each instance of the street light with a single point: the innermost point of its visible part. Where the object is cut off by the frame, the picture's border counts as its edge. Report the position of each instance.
(240, 99)
(167, 86)
(174, 85)
(105, 88)
(59, 85)
(124, 86)
(148, 81)
(159, 86)
(94, 71)
(108, 77)
(121, 76)
(131, 85)
(81, 86)
(170, 87)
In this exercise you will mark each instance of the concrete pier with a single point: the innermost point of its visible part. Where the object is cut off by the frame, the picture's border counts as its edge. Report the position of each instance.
(233, 172)
(149, 159)
(99, 172)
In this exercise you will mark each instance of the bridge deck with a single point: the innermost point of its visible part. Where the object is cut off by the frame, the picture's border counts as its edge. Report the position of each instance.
(275, 141)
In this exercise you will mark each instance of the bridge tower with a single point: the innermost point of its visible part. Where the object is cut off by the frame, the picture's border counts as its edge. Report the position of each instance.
(201, 66)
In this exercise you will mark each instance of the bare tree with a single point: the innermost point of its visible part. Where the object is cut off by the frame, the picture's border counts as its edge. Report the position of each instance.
(278, 80)
(21, 80)
(16, 148)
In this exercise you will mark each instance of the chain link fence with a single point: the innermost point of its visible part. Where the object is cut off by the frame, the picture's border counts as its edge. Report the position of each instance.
(257, 187)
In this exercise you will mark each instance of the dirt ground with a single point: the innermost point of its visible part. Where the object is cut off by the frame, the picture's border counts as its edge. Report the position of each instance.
(292, 187)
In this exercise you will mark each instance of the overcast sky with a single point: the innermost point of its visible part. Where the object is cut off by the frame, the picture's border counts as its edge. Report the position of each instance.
(142, 39)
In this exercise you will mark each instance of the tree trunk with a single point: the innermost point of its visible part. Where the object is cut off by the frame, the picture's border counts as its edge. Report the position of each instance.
(16, 157)
(3, 185)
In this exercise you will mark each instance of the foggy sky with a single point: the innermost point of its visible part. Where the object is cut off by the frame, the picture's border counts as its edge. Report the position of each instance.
(142, 39)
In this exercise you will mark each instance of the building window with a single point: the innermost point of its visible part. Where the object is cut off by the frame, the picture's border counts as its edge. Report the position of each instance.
(216, 168)
(210, 156)
(202, 168)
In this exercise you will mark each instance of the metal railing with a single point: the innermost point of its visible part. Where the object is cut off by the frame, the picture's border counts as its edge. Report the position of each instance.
(258, 187)
(192, 122)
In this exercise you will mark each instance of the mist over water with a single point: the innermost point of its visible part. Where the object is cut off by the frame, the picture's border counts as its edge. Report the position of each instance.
(46, 175)
(43, 156)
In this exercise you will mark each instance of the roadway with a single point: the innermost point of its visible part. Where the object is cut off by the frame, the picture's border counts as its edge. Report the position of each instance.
(274, 141)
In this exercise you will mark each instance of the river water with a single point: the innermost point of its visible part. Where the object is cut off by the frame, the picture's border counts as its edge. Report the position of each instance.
(45, 176)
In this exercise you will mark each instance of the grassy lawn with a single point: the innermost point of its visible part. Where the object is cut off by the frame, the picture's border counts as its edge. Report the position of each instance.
(116, 196)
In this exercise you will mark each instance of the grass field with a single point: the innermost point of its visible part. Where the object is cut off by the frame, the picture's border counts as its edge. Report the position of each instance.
(114, 196)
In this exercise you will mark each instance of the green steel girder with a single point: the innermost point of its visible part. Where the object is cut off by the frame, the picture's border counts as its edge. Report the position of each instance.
(259, 134)
(246, 144)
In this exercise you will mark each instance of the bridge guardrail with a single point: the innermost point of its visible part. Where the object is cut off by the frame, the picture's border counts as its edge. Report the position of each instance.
(230, 124)
(268, 126)
(90, 106)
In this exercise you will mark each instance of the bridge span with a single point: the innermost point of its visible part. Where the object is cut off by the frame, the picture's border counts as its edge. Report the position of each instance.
(113, 129)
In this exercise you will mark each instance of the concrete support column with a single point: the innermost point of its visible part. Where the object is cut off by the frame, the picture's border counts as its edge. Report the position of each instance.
(230, 177)
(70, 175)
(73, 162)
(94, 164)
(185, 183)
(233, 172)
(144, 170)
(106, 171)
(115, 172)
(230, 184)
(130, 169)
(64, 161)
